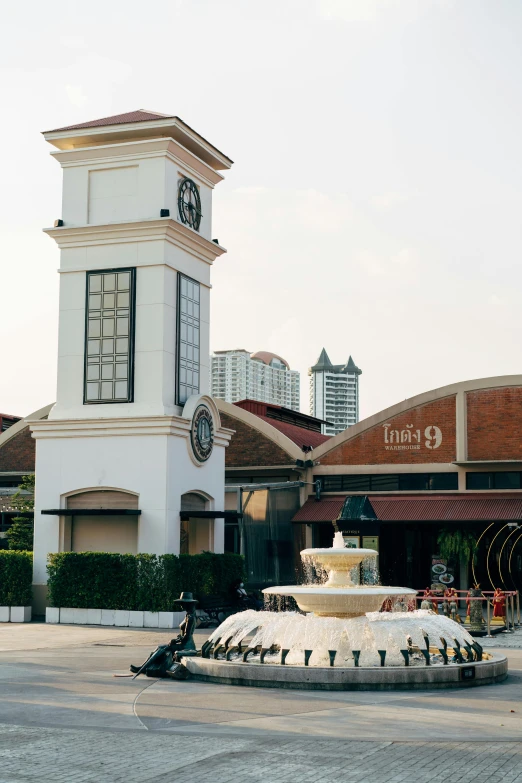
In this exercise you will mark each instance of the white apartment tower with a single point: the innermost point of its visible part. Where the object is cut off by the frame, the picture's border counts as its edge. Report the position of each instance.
(334, 393)
(240, 375)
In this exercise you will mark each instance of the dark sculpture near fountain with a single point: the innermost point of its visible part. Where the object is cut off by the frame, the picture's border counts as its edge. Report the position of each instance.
(476, 620)
(165, 661)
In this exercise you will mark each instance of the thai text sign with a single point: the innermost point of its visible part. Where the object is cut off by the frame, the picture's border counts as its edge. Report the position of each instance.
(410, 439)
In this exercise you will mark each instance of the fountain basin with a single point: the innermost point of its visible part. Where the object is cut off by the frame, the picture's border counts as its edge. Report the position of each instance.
(342, 641)
(486, 672)
(338, 561)
(325, 601)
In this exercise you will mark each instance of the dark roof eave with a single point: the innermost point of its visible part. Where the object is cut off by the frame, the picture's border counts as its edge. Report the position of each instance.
(153, 118)
(91, 512)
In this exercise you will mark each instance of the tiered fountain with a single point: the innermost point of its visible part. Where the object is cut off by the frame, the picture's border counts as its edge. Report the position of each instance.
(343, 640)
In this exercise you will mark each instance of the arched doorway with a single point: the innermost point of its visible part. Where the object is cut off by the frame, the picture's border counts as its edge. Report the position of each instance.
(99, 532)
(196, 534)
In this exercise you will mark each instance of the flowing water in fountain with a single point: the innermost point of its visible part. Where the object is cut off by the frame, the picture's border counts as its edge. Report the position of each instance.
(342, 624)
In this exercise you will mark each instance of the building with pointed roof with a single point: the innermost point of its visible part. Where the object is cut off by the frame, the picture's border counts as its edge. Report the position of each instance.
(334, 393)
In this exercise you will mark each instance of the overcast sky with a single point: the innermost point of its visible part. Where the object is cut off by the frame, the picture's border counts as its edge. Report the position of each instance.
(374, 204)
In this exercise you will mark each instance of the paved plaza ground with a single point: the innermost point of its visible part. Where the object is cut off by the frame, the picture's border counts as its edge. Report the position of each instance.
(65, 717)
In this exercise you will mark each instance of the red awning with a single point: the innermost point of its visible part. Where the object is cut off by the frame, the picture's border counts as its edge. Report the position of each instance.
(447, 508)
(422, 508)
(325, 510)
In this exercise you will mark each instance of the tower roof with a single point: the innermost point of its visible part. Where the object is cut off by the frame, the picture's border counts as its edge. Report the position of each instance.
(267, 356)
(323, 362)
(140, 115)
(352, 367)
(140, 124)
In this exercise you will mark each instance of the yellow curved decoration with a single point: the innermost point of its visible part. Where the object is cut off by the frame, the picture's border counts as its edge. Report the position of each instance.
(500, 557)
(489, 552)
(512, 550)
(476, 549)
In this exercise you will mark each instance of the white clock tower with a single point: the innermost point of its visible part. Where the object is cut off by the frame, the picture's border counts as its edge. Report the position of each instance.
(131, 458)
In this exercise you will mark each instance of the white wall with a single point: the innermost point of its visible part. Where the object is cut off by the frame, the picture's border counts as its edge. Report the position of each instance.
(155, 335)
(141, 447)
(134, 182)
(156, 467)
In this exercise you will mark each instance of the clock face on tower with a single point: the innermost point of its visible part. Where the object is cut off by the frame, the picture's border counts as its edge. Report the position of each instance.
(189, 203)
(202, 433)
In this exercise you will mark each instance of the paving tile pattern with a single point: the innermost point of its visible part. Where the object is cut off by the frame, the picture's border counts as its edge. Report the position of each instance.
(51, 755)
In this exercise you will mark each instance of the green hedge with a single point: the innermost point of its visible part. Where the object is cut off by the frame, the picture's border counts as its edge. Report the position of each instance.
(100, 580)
(16, 577)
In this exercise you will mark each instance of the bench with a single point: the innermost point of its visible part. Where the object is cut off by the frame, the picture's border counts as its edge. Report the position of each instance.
(213, 606)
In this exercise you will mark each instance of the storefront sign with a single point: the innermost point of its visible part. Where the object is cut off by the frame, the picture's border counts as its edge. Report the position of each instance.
(371, 542)
(410, 439)
(442, 574)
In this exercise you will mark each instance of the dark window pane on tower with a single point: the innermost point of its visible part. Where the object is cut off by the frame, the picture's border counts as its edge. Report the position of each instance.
(188, 339)
(109, 361)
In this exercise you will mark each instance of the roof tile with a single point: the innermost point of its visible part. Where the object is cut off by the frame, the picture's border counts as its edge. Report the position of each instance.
(447, 508)
(300, 435)
(141, 115)
(325, 510)
(421, 508)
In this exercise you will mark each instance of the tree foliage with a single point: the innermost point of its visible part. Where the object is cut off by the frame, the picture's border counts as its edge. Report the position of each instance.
(25, 502)
(460, 544)
(20, 535)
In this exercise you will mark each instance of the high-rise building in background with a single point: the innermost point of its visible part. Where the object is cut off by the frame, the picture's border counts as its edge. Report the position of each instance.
(240, 375)
(334, 393)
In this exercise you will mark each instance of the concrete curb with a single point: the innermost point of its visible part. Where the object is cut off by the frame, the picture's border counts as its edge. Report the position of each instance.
(120, 618)
(15, 614)
(354, 679)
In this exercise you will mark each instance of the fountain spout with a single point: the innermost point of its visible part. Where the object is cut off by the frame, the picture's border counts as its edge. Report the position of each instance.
(338, 596)
(338, 541)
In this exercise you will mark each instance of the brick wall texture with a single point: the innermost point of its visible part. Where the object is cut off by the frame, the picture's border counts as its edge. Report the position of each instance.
(18, 453)
(410, 436)
(250, 447)
(494, 418)
(494, 425)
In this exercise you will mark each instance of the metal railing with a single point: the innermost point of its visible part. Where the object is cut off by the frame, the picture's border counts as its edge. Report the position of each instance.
(512, 616)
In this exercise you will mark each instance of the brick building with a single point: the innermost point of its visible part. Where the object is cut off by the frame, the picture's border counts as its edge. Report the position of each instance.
(449, 459)
(17, 455)
(269, 445)
(446, 460)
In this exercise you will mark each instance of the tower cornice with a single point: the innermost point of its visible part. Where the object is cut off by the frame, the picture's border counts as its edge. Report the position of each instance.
(107, 154)
(118, 427)
(101, 132)
(137, 231)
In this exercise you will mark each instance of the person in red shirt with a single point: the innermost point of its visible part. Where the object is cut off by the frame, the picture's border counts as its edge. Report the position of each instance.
(499, 603)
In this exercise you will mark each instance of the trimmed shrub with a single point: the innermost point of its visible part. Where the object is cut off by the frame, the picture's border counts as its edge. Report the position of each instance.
(16, 576)
(20, 535)
(100, 580)
(96, 580)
